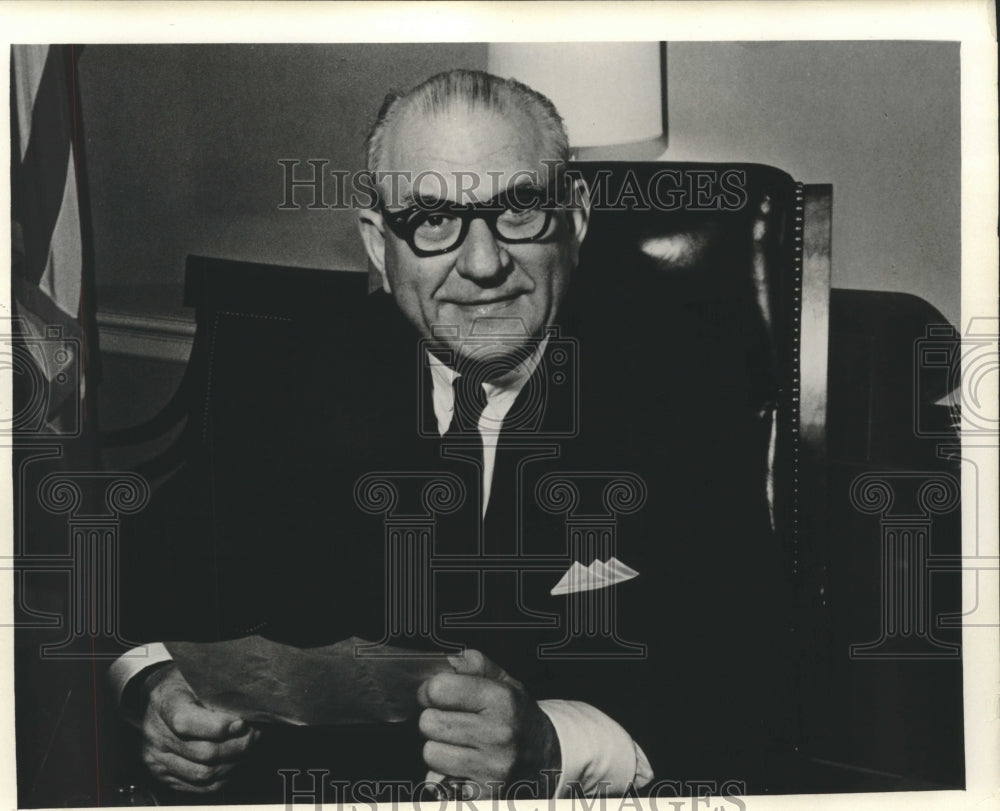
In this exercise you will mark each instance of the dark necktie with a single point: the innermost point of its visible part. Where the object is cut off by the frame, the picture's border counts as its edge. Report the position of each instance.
(470, 400)
(459, 532)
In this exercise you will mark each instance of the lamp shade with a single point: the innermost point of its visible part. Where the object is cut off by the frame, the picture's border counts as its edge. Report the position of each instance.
(610, 94)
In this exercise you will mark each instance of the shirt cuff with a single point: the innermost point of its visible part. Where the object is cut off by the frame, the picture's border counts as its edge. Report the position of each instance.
(131, 663)
(598, 755)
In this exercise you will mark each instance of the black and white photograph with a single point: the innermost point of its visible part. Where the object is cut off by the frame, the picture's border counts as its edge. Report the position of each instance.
(439, 404)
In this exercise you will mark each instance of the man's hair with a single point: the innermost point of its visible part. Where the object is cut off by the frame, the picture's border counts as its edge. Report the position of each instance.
(477, 90)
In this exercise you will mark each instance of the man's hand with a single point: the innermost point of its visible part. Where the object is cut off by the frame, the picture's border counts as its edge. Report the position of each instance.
(482, 727)
(185, 744)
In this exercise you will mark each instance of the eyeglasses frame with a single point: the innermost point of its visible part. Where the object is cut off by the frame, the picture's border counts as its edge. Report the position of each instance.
(489, 211)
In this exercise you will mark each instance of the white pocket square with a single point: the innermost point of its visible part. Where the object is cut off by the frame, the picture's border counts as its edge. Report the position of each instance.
(597, 575)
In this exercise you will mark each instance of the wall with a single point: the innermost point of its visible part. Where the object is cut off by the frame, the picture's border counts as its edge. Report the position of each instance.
(183, 144)
(878, 120)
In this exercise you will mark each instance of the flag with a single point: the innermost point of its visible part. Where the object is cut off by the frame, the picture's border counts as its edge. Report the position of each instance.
(52, 273)
(60, 562)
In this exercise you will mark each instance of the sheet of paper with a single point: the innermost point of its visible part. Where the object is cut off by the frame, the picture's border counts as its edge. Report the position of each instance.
(268, 681)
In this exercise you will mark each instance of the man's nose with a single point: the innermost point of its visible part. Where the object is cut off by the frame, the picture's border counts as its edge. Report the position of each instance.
(480, 257)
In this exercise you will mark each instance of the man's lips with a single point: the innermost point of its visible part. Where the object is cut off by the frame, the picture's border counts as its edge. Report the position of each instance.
(485, 306)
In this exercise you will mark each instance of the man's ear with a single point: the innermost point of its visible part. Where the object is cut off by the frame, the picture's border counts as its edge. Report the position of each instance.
(372, 229)
(579, 209)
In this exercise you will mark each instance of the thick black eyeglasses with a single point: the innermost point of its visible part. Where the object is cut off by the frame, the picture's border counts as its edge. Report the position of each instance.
(437, 227)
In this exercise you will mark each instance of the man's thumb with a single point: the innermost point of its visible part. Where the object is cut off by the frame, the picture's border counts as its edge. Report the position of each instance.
(190, 720)
(474, 663)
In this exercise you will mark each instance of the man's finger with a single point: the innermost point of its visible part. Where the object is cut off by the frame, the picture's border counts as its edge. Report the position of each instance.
(180, 785)
(452, 788)
(452, 691)
(461, 729)
(474, 663)
(211, 753)
(191, 721)
(196, 774)
(456, 761)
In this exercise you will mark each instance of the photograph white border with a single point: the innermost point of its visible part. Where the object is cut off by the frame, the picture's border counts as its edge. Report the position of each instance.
(972, 22)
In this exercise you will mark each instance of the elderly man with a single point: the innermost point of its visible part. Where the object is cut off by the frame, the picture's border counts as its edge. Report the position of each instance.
(475, 230)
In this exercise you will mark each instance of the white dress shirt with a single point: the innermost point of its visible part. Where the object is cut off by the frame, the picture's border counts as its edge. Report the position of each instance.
(597, 752)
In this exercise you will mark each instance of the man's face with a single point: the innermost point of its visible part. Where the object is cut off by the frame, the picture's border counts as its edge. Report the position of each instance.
(485, 286)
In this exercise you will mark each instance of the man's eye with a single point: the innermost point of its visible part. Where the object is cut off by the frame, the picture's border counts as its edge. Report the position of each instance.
(521, 200)
(418, 217)
(436, 221)
(516, 214)
(432, 227)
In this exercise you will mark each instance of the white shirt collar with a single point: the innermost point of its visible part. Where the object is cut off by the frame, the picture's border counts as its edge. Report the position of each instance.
(500, 392)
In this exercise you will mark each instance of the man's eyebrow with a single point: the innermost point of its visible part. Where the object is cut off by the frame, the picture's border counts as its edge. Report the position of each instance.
(405, 199)
(427, 201)
(528, 186)
(408, 199)
(525, 184)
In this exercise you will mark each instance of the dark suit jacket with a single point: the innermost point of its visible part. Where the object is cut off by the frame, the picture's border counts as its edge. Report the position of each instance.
(264, 533)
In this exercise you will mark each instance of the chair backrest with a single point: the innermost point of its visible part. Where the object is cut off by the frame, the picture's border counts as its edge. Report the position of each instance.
(749, 233)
